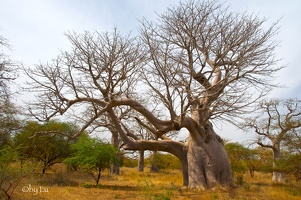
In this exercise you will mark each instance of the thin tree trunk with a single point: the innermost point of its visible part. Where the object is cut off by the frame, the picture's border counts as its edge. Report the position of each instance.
(141, 161)
(98, 176)
(115, 168)
(44, 168)
(251, 170)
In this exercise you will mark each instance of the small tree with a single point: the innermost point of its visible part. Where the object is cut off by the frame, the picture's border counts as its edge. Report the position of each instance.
(93, 155)
(243, 158)
(48, 143)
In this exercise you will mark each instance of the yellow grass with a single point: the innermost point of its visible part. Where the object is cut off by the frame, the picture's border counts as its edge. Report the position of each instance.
(150, 186)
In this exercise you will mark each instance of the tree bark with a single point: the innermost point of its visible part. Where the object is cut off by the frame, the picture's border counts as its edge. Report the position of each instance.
(141, 161)
(184, 163)
(251, 171)
(277, 177)
(115, 168)
(98, 176)
(208, 164)
(44, 167)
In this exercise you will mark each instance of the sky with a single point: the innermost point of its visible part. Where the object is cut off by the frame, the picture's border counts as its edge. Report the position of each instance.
(35, 30)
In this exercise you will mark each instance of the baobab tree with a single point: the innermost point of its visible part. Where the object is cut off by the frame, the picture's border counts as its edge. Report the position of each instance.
(199, 62)
(277, 122)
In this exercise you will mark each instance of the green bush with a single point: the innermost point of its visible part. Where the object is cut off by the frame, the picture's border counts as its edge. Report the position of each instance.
(129, 162)
(92, 155)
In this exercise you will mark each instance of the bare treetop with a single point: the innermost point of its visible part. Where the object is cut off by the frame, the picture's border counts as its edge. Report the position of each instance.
(204, 52)
(8, 70)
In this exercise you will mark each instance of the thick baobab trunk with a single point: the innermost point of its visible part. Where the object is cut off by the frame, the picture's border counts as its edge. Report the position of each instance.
(208, 164)
(277, 177)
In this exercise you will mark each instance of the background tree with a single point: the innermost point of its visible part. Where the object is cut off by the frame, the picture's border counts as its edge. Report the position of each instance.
(93, 155)
(9, 121)
(198, 63)
(8, 70)
(277, 120)
(48, 143)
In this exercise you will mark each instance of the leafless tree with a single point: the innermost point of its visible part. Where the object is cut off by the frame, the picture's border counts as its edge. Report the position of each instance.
(9, 112)
(8, 69)
(278, 121)
(198, 63)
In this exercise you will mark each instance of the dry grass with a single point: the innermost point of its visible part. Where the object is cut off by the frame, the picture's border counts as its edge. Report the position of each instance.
(150, 186)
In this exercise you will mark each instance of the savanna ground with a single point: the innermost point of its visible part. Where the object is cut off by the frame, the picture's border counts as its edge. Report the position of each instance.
(165, 185)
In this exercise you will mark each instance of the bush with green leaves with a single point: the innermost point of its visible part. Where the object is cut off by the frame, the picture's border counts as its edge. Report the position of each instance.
(236, 153)
(244, 159)
(92, 155)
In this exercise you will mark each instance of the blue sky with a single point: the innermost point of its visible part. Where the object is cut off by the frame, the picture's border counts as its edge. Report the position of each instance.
(35, 28)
